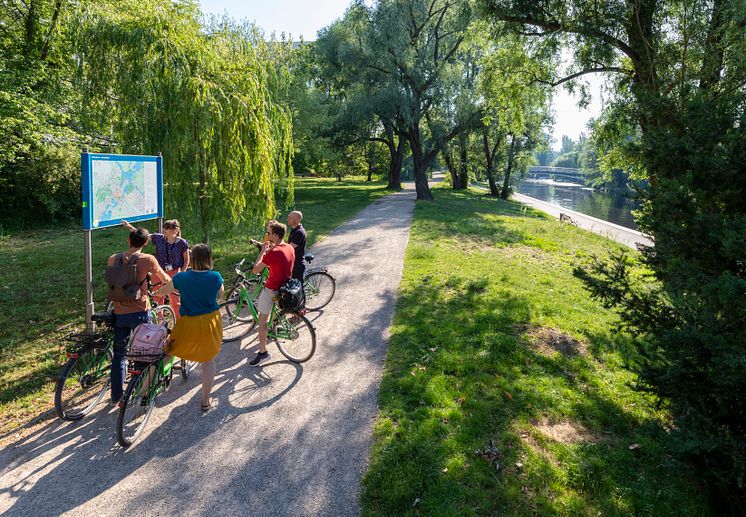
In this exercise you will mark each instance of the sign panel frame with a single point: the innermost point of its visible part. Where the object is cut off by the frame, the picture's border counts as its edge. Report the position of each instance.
(87, 164)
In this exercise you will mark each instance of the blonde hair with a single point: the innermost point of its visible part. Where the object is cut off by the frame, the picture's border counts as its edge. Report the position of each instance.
(201, 257)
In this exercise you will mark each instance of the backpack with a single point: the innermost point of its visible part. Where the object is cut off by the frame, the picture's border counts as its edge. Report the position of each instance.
(123, 280)
(292, 297)
(147, 342)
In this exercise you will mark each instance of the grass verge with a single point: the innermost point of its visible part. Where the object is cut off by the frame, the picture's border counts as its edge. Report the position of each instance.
(504, 391)
(42, 287)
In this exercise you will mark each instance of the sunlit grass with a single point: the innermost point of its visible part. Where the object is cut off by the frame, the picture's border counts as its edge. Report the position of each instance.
(503, 391)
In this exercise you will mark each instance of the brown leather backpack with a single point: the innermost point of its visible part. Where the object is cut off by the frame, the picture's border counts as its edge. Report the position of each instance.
(122, 279)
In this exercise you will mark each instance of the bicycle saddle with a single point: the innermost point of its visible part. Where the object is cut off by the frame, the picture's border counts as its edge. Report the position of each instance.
(103, 317)
(308, 257)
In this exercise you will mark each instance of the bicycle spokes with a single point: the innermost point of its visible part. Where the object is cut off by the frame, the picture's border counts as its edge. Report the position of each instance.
(82, 384)
(294, 336)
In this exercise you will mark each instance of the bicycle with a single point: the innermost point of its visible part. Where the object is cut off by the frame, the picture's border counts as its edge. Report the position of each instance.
(86, 376)
(149, 377)
(318, 285)
(253, 285)
(293, 334)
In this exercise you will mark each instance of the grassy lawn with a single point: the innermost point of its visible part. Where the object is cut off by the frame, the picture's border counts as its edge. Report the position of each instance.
(503, 392)
(42, 287)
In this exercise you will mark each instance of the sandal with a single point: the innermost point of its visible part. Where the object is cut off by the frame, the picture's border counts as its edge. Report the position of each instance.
(211, 405)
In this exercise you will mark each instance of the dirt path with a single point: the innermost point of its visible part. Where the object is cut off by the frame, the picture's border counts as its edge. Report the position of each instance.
(286, 439)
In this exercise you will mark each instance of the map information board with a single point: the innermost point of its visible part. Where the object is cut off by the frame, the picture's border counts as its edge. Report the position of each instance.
(117, 187)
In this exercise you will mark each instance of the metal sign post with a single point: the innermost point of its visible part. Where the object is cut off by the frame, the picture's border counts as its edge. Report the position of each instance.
(88, 253)
(88, 281)
(160, 201)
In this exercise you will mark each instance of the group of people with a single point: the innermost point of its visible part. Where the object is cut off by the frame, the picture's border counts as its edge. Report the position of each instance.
(195, 290)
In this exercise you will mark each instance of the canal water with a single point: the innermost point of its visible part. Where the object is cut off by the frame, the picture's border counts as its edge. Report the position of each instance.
(614, 206)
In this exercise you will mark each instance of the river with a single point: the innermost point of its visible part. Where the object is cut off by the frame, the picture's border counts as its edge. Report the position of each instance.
(614, 206)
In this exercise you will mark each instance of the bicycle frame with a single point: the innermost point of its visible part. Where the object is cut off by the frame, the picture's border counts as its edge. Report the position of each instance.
(243, 297)
(101, 360)
(162, 370)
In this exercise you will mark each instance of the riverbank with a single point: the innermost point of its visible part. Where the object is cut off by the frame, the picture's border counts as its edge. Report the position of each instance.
(504, 391)
(628, 237)
(623, 235)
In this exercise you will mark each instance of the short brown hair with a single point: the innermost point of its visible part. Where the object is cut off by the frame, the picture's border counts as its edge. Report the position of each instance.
(201, 257)
(173, 224)
(139, 237)
(278, 229)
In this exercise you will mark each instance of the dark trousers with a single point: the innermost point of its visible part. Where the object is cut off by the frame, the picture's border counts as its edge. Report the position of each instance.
(298, 270)
(123, 326)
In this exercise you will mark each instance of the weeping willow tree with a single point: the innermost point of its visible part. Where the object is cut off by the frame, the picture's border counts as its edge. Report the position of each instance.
(153, 78)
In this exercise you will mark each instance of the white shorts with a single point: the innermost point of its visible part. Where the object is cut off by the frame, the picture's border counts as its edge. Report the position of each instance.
(265, 300)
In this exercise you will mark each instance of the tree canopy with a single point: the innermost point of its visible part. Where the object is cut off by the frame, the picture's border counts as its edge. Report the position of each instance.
(142, 78)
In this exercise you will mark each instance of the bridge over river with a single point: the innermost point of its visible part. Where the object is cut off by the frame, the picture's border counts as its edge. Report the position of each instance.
(564, 173)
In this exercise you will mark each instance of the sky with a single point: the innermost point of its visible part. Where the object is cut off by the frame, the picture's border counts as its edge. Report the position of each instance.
(305, 17)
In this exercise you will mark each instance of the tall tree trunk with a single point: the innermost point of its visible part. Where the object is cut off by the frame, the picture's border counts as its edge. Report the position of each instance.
(712, 60)
(369, 160)
(505, 193)
(395, 164)
(204, 214)
(50, 32)
(32, 28)
(446, 153)
(420, 165)
(463, 172)
(489, 156)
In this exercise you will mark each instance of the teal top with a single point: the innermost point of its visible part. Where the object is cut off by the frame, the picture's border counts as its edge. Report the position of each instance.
(199, 291)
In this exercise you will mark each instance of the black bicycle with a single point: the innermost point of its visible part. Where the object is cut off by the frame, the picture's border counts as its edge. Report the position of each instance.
(318, 285)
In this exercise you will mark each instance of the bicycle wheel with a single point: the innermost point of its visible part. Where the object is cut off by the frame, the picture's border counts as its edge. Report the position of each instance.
(319, 289)
(82, 384)
(251, 285)
(234, 328)
(294, 336)
(186, 368)
(136, 405)
(164, 315)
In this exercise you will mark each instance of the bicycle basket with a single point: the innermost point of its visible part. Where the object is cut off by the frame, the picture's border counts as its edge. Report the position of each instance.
(147, 343)
(80, 342)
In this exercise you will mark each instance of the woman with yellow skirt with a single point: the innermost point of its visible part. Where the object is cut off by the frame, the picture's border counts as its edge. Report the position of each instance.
(198, 333)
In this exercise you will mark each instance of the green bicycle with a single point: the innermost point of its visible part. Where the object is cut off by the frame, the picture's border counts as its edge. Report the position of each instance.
(149, 377)
(318, 285)
(85, 377)
(293, 334)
